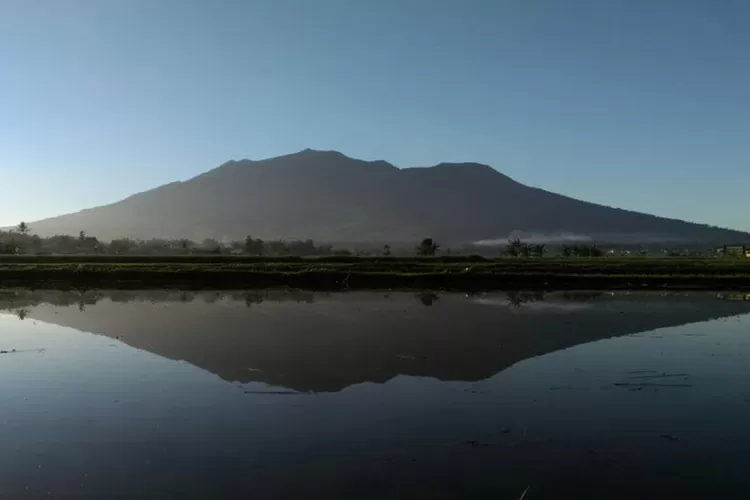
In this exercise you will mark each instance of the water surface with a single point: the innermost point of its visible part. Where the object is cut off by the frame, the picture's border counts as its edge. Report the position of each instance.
(289, 394)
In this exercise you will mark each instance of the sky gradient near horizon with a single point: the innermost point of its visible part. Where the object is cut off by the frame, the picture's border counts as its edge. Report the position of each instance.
(637, 104)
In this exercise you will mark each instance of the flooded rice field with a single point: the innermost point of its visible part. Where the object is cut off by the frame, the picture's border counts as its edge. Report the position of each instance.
(295, 394)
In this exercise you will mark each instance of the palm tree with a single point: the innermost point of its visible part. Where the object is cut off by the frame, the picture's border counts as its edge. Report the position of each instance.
(514, 247)
(427, 247)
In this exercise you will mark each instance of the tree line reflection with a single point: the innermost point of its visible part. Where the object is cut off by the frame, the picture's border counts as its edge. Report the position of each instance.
(20, 300)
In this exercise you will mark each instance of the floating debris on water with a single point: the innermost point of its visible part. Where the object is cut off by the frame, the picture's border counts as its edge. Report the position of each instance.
(277, 393)
(661, 375)
(17, 351)
(649, 384)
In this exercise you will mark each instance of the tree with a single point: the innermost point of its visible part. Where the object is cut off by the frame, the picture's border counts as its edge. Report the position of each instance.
(278, 247)
(538, 250)
(185, 244)
(253, 246)
(386, 250)
(8, 248)
(586, 251)
(34, 244)
(154, 246)
(87, 244)
(525, 250)
(62, 243)
(514, 247)
(121, 246)
(23, 228)
(427, 247)
(236, 247)
(211, 245)
(297, 247)
(324, 249)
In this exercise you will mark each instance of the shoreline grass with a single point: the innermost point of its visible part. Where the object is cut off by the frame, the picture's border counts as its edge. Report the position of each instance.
(339, 272)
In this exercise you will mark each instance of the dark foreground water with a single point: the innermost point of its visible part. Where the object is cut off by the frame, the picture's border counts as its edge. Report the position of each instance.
(285, 394)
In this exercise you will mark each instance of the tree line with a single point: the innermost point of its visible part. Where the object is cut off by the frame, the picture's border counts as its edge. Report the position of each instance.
(21, 240)
(519, 248)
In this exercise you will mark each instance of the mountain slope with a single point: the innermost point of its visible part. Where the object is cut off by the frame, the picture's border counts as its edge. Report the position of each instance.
(328, 196)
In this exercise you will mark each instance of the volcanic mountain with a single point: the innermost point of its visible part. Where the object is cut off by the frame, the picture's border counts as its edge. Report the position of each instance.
(330, 197)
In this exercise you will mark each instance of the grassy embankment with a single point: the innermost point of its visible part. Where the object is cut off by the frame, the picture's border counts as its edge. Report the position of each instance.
(337, 272)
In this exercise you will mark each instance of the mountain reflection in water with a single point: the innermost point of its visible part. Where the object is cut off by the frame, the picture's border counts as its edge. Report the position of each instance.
(324, 342)
(286, 394)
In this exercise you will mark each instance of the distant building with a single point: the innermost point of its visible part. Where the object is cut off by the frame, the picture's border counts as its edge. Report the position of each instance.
(734, 251)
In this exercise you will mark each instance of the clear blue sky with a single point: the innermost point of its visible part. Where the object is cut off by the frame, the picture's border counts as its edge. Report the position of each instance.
(641, 104)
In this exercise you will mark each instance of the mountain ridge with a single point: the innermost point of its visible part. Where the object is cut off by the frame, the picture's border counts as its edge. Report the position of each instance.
(328, 196)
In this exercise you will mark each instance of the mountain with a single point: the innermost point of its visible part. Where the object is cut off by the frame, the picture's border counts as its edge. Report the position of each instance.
(312, 341)
(329, 197)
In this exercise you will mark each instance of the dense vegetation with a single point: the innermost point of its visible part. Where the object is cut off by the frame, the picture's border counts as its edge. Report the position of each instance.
(21, 241)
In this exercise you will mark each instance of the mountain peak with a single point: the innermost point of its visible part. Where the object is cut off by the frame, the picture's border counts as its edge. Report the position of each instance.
(321, 153)
(464, 164)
